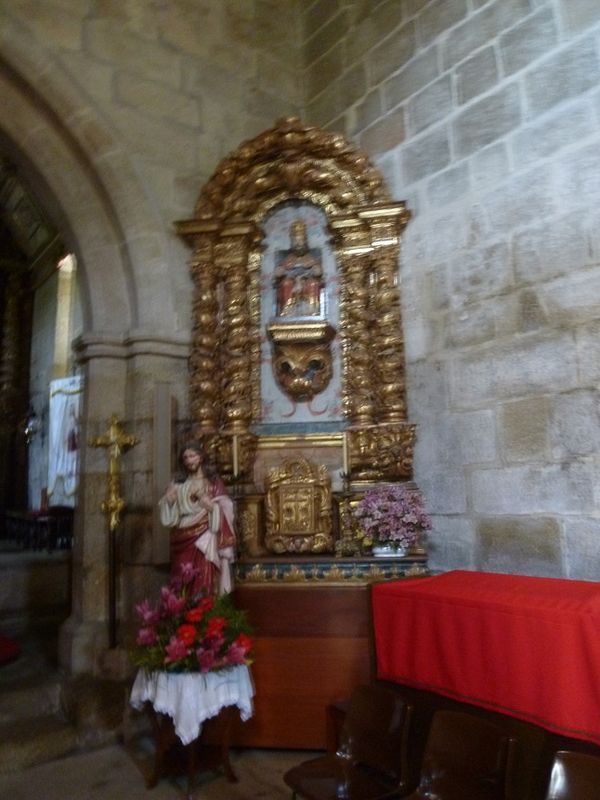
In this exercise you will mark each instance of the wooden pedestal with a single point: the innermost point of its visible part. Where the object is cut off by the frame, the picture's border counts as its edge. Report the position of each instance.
(210, 751)
(313, 646)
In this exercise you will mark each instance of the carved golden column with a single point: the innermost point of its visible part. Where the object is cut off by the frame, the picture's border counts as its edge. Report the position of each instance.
(204, 364)
(353, 248)
(386, 224)
(231, 256)
(394, 437)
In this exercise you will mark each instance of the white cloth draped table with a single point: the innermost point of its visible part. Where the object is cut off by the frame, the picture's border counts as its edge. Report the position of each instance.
(190, 698)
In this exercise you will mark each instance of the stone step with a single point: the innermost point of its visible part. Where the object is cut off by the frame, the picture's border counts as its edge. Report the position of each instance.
(30, 700)
(45, 714)
(35, 589)
(25, 743)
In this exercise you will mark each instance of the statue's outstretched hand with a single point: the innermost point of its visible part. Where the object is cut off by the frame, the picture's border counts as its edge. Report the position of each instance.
(171, 494)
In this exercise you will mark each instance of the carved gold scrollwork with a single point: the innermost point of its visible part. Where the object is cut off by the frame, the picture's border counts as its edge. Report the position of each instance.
(233, 453)
(388, 341)
(352, 538)
(302, 371)
(302, 363)
(298, 508)
(385, 226)
(254, 336)
(231, 255)
(363, 453)
(353, 245)
(204, 387)
(396, 446)
(293, 162)
(247, 451)
(250, 524)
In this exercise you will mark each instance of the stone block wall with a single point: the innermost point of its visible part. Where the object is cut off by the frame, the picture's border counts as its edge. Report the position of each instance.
(166, 88)
(484, 116)
(121, 109)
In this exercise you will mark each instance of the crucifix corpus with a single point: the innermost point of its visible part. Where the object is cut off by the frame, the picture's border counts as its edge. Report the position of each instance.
(116, 442)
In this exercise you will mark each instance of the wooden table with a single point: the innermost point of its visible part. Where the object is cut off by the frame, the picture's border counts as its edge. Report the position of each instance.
(193, 715)
(209, 751)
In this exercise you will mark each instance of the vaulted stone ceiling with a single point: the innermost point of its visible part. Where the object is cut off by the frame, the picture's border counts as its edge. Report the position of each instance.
(27, 237)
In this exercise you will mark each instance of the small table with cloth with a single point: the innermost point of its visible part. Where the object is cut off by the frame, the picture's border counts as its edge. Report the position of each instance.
(183, 702)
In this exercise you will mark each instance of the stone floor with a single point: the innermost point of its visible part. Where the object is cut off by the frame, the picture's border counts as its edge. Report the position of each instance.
(43, 756)
(117, 772)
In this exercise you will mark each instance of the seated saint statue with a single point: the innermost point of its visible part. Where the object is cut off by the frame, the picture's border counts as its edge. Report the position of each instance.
(298, 276)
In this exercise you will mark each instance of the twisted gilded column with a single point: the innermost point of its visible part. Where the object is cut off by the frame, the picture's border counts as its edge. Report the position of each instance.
(231, 256)
(394, 436)
(204, 361)
(386, 224)
(388, 340)
(353, 248)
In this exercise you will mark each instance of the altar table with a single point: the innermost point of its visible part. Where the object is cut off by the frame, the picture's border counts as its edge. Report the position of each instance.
(524, 646)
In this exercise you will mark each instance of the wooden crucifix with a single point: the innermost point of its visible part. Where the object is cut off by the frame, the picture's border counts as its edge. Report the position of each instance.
(116, 442)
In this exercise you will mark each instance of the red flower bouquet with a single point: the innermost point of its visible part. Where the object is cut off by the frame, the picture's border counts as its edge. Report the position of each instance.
(191, 633)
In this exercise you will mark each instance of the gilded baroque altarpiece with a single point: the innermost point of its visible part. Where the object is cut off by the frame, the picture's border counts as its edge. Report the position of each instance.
(297, 370)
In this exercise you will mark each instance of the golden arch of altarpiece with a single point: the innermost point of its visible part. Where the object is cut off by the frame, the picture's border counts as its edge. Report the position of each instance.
(288, 164)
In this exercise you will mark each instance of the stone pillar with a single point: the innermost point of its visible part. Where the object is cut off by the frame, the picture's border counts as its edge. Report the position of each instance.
(119, 378)
(84, 637)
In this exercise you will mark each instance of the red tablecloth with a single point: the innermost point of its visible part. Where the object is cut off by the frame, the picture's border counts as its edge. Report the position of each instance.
(529, 647)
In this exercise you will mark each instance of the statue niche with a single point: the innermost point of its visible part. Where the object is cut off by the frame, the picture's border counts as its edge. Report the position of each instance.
(300, 336)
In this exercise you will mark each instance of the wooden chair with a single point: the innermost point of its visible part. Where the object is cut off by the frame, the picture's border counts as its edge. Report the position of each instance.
(574, 776)
(465, 756)
(370, 761)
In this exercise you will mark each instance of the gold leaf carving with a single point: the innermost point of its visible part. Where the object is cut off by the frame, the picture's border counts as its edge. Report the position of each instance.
(292, 161)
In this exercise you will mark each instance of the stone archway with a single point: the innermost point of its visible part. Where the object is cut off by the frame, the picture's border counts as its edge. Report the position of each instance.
(82, 175)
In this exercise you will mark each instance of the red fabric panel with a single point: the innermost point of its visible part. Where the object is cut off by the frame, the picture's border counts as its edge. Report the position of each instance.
(9, 649)
(529, 647)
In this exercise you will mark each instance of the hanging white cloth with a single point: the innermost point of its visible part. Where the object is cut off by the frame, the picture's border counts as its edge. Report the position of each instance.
(63, 439)
(190, 698)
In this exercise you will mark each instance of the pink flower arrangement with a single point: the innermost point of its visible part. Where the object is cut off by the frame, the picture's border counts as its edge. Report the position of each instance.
(191, 633)
(393, 514)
